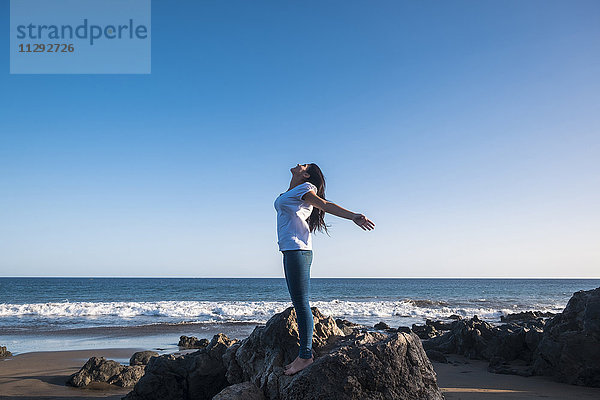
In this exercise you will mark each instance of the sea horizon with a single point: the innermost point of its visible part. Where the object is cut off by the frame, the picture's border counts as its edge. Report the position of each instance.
(276, 277)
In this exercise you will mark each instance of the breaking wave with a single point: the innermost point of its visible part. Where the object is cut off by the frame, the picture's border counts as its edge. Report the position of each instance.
(406, 311)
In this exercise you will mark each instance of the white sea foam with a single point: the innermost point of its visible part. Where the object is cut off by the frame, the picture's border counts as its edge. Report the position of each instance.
(258, 311)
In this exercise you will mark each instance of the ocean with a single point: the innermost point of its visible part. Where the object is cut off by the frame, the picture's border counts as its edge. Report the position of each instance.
(38, 314)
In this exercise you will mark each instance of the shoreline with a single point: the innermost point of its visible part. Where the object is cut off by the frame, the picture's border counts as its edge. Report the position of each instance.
(43, 375)
(160, 338)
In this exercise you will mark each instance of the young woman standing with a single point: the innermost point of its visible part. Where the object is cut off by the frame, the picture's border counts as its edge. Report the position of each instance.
(300, 211)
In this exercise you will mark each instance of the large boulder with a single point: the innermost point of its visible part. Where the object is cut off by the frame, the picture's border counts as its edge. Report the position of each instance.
(366, 365)
(4, 352)
(569, 349)
(99, 369)
(199, 375)
(362, 365)
(274, 345)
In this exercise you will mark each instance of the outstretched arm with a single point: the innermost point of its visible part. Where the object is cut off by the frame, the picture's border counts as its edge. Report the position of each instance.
(329, 207)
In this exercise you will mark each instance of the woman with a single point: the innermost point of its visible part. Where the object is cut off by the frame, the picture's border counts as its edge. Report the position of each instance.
(300, 211)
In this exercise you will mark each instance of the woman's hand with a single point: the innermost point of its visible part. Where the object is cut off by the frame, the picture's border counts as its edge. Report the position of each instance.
(363, 222)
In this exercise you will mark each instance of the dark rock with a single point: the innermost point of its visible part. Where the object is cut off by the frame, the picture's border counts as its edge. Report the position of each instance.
(368, 365)
(404, 329)
(468, 337)
(454, 316)
(99, 369)
(240, 391)
(569, 349)
(4, 352)
(199, 375)
(566, 346)
(381, 326)
(346, 326)
(142, 357)
(439, 325)
(192, 342)
(438, 356)
(525, 316)
(478, 339)
(270, 347)
(362, 365)
(425, 331)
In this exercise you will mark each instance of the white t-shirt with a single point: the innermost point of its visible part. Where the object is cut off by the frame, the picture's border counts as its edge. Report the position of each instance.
(293, 232)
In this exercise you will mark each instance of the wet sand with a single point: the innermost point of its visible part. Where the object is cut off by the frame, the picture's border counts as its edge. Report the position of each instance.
(470, 380)
(42, 375)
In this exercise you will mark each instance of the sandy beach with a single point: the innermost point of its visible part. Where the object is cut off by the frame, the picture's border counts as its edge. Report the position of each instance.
(470, 380)
(42, 375)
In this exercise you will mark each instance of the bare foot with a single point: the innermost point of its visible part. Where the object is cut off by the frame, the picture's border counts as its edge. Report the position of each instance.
(290, 364)
(298, 365)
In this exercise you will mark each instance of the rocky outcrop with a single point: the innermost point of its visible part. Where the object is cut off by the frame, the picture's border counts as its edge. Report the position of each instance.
(425, 331)
(240, 391)
(99, 369)
(142, 357)
(366, 365)
(432, 329)
(467, 337)
(526, 316)
(439, 325)
(192, 342)
(477, 339)
(199, 375)
(260, 357)
(360, 365)
(569, 349)
(4, 352)
(566, 346)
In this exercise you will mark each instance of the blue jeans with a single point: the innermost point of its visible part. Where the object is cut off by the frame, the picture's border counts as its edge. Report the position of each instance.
(296, 264)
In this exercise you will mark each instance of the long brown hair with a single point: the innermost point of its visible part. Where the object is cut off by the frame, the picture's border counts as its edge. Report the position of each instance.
(316, 220)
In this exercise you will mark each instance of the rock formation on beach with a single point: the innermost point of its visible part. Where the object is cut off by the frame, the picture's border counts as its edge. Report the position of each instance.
(525, 316)
(192, 342)
(4, 352)
(99, 369)
(566, 346)
(350, 363)
(198, 375)
(569, 349)
(478, 339)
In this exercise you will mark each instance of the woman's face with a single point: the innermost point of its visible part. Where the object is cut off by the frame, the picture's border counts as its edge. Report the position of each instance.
(300, 170)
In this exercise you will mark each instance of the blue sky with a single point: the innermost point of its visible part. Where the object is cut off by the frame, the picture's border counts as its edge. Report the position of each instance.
(467, 131)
